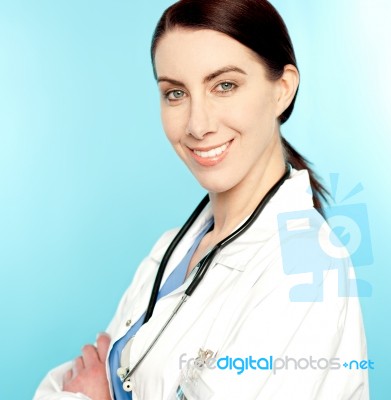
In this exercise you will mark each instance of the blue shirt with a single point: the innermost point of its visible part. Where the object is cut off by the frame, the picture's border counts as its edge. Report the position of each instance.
(175, 279)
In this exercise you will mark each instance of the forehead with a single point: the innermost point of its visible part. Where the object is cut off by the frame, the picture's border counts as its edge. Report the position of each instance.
(188, 51)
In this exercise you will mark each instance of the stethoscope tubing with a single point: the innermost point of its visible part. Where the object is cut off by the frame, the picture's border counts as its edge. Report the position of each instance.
(203, 265)
(163, 328)
(179, 236)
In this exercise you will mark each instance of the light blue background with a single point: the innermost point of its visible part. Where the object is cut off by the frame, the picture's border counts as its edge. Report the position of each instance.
(88, 181)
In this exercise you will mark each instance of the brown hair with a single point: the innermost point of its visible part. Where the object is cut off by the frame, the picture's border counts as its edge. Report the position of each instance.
(257, 25)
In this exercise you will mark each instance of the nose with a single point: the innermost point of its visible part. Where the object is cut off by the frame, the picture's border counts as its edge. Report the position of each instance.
(201, 120)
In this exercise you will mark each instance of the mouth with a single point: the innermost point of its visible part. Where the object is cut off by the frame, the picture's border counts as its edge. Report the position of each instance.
(210, 156)
(213, 152)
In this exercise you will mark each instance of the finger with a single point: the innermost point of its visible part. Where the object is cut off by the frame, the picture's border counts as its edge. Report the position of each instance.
(103, 344)
(90, 355)
(67, 377)
(78, 365)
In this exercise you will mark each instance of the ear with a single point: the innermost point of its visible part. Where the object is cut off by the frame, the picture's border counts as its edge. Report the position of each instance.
(288, 84)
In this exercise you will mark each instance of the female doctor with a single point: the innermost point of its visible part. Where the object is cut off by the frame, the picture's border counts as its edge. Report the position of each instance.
(228, 79)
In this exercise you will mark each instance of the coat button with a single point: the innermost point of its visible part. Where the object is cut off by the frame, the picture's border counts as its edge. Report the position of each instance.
(128, 322)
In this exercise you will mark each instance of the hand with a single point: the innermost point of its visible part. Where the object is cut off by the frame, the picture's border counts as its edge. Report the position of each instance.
(88, 375)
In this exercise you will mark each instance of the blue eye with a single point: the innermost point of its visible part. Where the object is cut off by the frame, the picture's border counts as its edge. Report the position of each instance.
(226, 85)
(175, 94)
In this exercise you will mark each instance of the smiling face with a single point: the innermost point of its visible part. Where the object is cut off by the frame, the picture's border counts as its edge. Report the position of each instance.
(219, 110)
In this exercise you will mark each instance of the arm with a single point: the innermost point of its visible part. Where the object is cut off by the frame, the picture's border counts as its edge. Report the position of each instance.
(60, 382)
(88, 375)
(52, 386)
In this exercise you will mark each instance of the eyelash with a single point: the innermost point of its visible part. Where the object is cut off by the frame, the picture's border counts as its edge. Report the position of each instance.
(221, 92)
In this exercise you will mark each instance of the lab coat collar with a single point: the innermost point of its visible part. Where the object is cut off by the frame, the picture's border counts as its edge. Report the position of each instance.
(294, 194)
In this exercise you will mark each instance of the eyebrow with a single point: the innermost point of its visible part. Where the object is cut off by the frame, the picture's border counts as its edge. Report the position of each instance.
(208, 78)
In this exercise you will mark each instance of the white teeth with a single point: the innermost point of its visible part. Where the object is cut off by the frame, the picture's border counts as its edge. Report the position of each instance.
(212, 153)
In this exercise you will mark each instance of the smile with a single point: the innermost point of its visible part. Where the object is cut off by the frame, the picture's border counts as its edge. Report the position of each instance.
(209, 157)
(213, 152)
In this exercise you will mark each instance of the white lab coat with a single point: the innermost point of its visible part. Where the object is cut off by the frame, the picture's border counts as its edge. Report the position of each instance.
(242, 308)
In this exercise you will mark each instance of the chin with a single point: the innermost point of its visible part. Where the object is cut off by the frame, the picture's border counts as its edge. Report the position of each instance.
(214, 186)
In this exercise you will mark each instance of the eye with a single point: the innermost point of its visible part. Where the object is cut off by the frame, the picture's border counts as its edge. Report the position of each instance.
(174, 94)
(225, 87)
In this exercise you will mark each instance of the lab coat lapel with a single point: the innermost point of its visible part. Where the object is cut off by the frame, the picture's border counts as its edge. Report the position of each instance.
(155, 259)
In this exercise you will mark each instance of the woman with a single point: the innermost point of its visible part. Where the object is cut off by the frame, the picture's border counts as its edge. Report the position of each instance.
(228, 79)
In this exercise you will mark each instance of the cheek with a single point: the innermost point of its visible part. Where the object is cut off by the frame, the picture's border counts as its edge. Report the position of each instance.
(170, 126)
(251, 114)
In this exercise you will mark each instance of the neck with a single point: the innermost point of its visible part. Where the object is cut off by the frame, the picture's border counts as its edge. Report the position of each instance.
(231, 207)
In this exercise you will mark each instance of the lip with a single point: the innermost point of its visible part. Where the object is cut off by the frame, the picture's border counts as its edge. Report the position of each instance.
(210, 147)
(210, 161)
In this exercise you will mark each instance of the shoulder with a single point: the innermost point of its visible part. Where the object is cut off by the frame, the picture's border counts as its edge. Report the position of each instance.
(161, 245)
(150, 263)
(135, 299)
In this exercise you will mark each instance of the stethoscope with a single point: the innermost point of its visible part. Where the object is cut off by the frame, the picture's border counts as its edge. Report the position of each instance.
(201, 268)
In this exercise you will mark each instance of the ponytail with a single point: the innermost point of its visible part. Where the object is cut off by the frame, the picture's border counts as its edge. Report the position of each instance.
(319, 192)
